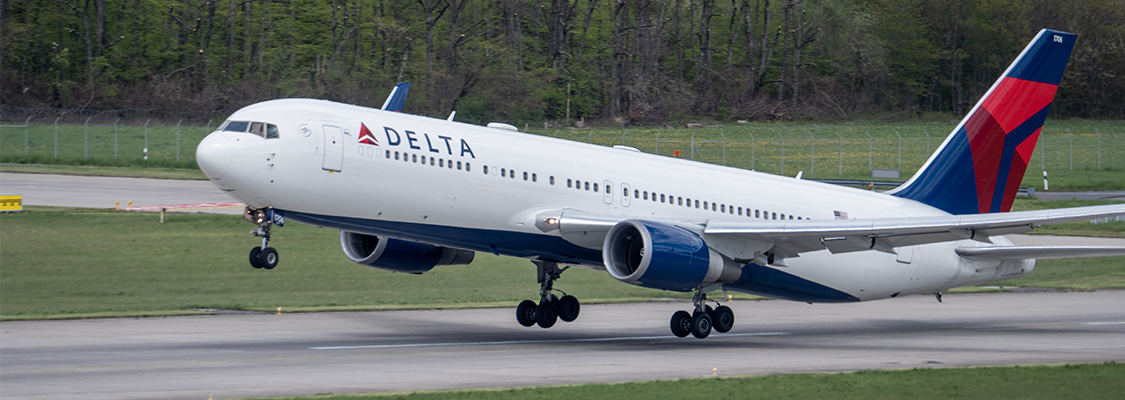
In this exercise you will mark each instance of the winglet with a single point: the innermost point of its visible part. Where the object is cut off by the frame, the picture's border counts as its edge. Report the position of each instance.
(978, 169)
(397, 99)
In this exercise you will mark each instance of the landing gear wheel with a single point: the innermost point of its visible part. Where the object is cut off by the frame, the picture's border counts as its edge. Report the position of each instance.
(681, 323)
(568, 308)
(525, 313)
(722, 319)
(254, 257)
(701, 325)
(546, 315)
(267, 258)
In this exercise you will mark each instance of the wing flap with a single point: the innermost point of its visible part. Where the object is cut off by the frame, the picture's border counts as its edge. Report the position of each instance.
(1037, 252)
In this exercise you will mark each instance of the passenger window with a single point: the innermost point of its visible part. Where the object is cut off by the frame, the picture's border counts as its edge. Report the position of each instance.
(646, 195)
(552, 179)
(568, 183)
(468, 168)
(783, 217)
(388, 154)
(739, 210)
(271, 131)
(237, 126)
(415, 158)
(790, 217)
(534, 178)
(503, 172)
(723, 208)
(662, 197)
(714, 207)
(396, 156)
(441, 162)
(486, 170)
(680, 201)
(458, 165)
(697, 204)
(774, 216)
(626, 192)
(756, 214)
(525, 175)
(595, 187)
(704, 205)
(587, 186)
(636, 194)
(607, 188)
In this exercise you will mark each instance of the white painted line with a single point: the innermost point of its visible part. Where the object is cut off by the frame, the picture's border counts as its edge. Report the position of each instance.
(511, 342)
(1105, 323)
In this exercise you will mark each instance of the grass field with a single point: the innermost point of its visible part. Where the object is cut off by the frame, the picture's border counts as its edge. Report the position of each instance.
(1078, 155)
(1077, 381)
(73, 263)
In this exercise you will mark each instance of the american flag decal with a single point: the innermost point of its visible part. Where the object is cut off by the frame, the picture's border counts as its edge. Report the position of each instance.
(365, 136)
(840, 214)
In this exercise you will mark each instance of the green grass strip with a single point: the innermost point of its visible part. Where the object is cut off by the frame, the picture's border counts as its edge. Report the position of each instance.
(1070, 381)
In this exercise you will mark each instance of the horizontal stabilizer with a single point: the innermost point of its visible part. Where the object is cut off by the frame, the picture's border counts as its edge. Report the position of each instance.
(1037, 252)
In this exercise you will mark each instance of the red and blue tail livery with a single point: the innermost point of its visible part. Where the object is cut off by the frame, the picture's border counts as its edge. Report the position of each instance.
(978, 169)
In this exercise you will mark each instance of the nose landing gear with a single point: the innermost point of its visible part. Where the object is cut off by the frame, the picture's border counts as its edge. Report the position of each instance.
(265, 256)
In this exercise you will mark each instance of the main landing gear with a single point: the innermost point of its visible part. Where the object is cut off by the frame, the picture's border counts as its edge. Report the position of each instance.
(700, 322)
(550, 308)
(265, 256)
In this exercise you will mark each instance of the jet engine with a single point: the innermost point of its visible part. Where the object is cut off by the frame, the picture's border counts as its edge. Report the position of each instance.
(400, 255)
(660, 256)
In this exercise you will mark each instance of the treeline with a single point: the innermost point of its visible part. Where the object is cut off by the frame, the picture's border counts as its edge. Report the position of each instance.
(634, 61)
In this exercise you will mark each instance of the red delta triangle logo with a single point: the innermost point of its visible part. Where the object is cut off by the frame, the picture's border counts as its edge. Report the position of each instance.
(365, 136)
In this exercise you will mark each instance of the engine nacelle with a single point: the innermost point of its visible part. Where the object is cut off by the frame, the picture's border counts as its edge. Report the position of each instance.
(399, 255)
(660, 256)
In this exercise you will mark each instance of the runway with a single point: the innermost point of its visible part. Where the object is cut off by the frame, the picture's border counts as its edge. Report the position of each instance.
(105, 191)
(304, 354)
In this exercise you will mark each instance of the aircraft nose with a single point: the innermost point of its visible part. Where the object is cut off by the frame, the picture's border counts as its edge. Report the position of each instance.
(214, 154)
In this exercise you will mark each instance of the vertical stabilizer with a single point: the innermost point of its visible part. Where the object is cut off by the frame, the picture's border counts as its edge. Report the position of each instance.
(979, 167)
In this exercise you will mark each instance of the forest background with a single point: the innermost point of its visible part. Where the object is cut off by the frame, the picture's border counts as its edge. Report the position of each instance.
(638, 62)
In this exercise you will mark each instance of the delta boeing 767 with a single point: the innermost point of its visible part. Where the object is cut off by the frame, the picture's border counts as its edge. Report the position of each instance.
(408, 193)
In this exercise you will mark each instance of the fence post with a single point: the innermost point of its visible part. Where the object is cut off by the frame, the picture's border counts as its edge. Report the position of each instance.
(693, 145)
(869, 165)
(178, 140)
(211, 120)
(26, 135)
(812, 152)
(115, 137)
(146, 138)
(752, 143)
(623, 132)
(86, 139)
(724, 147)
(657, 152)
(927, 142)
(1099, 147)
(840, 156)
(782, 153)
(1071, 136)
(900, 150)
(57, 137)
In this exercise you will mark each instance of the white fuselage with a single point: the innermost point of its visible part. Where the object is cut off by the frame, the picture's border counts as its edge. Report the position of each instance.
(425, 180)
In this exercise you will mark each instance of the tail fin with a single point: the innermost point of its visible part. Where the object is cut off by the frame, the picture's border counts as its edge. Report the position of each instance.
(397, 99)
(979, 167)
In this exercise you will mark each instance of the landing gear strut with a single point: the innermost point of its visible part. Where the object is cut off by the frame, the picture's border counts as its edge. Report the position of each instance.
(550, 308)
(264, 256)
(703, 319)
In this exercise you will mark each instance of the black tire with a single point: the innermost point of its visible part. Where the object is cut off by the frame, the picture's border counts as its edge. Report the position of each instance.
(525, 313)
(568, 308)
(701, 325)
(268, 258)
(546, 315)
(681, 323)
(254, 257)
(722, 319)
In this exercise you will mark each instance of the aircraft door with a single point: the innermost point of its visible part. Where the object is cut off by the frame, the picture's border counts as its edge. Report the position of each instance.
(333, 148)
(607, 197)
(625, 194)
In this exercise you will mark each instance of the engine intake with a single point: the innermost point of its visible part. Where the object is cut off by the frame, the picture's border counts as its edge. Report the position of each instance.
(400, 255)
(655, 255)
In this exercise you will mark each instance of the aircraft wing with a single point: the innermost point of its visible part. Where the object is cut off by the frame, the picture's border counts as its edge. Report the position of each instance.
(790, 238)
(884, 234)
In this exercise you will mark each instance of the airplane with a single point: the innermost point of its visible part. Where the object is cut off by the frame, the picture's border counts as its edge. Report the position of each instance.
(409, 193)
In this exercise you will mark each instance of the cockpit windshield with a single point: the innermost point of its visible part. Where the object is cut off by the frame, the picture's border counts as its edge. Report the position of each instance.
(268, 131)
